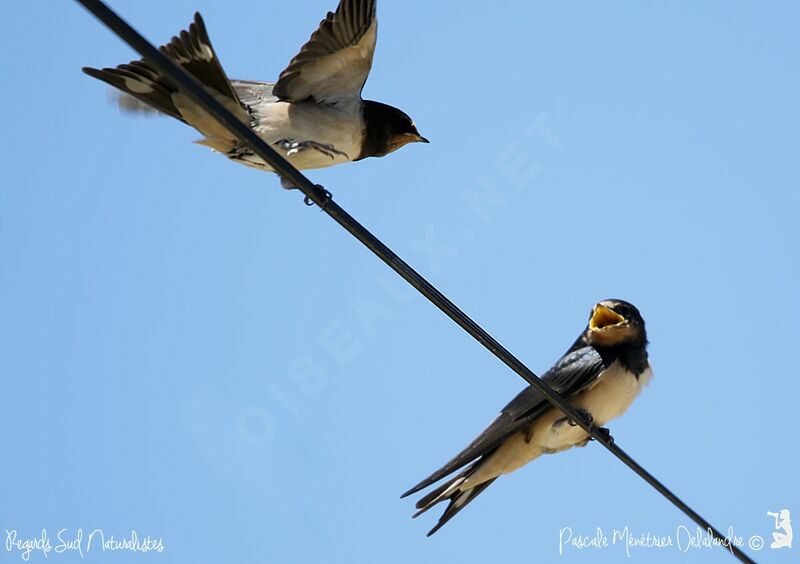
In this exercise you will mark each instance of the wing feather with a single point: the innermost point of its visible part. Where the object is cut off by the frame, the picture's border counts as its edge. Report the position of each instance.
(335, 62)
(575, 371)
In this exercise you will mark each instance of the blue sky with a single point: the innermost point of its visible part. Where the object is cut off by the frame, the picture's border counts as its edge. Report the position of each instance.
(189, 352)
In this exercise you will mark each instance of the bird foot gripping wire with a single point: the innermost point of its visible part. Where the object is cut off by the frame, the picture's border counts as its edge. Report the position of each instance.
(328, 197)
(586, 416)
(604, 433)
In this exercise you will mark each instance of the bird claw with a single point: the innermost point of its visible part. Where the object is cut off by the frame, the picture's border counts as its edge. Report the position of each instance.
(328, 197)
(293, 148)
(605, 434)
(586, 416)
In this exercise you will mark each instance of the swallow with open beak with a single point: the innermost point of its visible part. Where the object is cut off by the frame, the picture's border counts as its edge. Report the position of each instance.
(314, 114)
(601, 374)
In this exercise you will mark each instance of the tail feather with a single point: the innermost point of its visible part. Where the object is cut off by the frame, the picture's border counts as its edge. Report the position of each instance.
(192, 50)
(438, 495)
(453, 491)
(458, 501)
(128, 104)
(136, 82)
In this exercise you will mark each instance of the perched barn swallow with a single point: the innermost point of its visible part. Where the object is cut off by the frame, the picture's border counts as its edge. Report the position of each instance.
(314, 114)
(601, 374)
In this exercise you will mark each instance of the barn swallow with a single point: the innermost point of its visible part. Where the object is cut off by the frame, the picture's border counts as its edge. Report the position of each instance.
(601, 374)
(314, 114)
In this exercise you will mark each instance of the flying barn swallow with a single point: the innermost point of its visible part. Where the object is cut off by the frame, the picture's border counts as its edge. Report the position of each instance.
(314, 114)
(601, 374)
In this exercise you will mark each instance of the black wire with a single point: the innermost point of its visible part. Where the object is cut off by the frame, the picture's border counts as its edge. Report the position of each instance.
(191, 87)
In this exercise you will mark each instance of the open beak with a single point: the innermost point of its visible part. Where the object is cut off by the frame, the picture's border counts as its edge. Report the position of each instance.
(604, 317)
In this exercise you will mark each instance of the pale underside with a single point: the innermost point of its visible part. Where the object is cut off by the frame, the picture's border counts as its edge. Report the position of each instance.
(607, 399)
(338, 126)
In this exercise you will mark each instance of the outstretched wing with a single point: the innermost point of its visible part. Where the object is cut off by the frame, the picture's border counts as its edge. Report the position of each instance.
(575, 371)
(333, 66)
